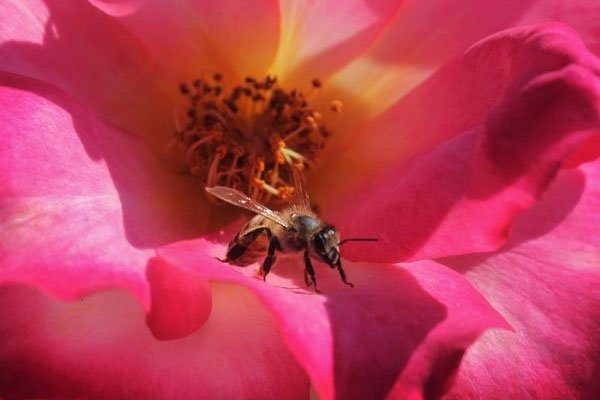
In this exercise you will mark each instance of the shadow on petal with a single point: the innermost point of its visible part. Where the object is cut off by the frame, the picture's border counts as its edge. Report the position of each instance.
(92, 58)
(158, 206)
(393, 331)
(545, 283)
(463, 174)
(98, 347)
(554, 207)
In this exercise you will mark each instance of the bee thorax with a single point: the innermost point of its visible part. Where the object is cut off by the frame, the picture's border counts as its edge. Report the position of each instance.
(305, 225)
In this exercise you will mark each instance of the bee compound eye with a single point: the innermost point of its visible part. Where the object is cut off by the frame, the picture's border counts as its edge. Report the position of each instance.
(319, 244)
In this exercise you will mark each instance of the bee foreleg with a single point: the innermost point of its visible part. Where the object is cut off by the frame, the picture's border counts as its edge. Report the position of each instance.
(342, 272)
(306, 281)
(270, 260)
(309, 270)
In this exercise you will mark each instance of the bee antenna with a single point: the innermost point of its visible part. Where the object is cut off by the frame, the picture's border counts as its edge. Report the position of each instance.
(357, 240)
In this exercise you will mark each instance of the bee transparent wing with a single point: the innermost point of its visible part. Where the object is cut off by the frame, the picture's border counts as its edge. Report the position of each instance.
(239, 199)
(301, 200)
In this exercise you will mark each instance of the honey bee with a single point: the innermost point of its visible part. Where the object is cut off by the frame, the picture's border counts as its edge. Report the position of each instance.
(293, 230)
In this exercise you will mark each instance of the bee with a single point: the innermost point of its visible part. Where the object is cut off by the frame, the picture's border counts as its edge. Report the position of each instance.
(293, 230)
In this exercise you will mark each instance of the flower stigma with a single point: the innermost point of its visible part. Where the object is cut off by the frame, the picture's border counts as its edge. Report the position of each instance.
(250, 137)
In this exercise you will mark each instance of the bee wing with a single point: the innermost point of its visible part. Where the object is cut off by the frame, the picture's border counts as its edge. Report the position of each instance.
(239, 199)
(301, 199)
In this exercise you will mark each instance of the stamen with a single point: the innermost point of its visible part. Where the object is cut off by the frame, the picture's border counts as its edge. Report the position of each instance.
(221, 151)
(264, 185)
(249, 136)
(191, 151)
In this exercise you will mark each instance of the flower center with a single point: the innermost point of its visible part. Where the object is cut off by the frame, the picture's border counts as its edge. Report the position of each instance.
(250, 137)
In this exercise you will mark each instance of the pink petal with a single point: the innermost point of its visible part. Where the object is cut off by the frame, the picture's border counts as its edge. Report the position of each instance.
(528, 97)
(546, 282)
(83, 204)
(319, 37)
(428, 33)
(181, 302)
(186, 37)
(100, 348)
(579, 14)
(395, 330)
(585, 152)
(90, 56)
(422, 36)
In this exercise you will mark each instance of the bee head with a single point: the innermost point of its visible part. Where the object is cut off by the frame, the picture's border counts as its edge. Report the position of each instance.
(325, 245)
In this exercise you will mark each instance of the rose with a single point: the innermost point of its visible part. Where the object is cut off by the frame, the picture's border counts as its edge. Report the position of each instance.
(433, 161)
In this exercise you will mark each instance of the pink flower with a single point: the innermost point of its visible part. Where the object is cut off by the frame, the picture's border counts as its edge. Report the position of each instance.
(467, 145)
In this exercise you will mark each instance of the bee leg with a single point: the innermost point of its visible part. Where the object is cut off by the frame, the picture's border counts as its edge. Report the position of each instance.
(338, 264)
(306, 281)
(234, 252)
(268, 263)
(309, 271)
(239, 245)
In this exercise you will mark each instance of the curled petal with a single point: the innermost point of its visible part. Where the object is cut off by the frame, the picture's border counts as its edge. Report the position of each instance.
(545, 282)
(578, 14)
(394, 332)
(471, 170)
(181, 302)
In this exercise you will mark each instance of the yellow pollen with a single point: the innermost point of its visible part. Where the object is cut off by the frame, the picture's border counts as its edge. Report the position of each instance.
(258, 182)
(249, 136)
(279, 158)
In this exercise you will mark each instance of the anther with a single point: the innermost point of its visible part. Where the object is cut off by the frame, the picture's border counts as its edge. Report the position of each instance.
(237, 150)
(336, 106)
(270, 81)
(285, 192)
(258, 182)
(221, 151)
(311, 121)
(264, 185)
(227, 133)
